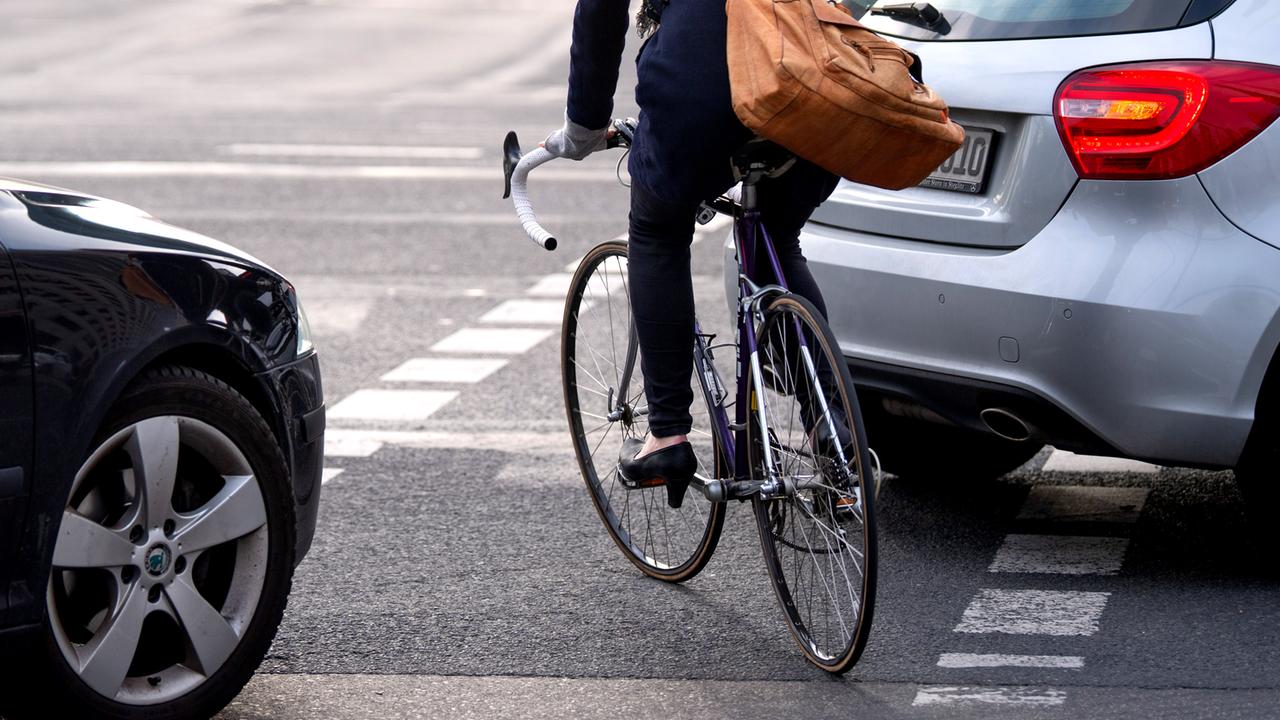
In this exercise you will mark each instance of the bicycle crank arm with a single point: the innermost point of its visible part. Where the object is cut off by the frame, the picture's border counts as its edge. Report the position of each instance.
(725, 490)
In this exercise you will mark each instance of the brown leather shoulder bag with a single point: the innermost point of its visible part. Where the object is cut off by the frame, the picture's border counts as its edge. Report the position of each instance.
(806, 75)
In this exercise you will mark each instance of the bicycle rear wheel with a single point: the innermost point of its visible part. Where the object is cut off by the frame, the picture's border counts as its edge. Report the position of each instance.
(604, 398)
(819, 538)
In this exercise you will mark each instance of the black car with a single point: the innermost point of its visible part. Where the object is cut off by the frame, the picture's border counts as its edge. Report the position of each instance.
(161, 447)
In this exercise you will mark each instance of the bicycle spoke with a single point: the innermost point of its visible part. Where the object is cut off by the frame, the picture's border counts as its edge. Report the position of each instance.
(817, 543)
(665, 542)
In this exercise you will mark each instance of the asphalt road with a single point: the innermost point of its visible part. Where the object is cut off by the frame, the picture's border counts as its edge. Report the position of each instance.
(459, 570)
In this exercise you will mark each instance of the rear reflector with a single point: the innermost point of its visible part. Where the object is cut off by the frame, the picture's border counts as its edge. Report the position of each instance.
(1160, 120)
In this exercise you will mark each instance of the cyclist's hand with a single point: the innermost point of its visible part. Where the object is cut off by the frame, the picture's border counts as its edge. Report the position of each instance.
(574, 141)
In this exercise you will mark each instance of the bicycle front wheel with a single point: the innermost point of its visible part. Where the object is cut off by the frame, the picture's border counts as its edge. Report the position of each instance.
(604, 398)
(818, 537)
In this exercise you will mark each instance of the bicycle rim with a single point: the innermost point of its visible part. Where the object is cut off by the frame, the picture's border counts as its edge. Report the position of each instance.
(666, 543)
(819, 540)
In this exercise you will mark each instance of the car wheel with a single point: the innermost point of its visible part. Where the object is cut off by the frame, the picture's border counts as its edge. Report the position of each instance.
(173, 561)
(925, 451)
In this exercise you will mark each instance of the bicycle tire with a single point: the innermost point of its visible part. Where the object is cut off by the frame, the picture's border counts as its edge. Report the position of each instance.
(819, 542)
(665, 543)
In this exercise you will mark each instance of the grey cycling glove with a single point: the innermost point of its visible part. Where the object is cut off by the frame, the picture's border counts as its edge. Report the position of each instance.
(574, 141)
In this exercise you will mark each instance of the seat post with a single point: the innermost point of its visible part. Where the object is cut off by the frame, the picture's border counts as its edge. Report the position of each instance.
(750, 193)
(756, 160)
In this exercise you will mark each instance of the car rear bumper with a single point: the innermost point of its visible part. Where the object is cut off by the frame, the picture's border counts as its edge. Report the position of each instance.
(1139, 310)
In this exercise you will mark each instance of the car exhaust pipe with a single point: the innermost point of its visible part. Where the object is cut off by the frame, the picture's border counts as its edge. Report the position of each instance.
(1004, 423)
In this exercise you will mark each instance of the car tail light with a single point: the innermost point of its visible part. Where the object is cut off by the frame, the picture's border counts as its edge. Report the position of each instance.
(1159, 120)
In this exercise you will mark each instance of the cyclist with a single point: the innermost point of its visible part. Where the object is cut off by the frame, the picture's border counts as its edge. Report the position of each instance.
(680, 157)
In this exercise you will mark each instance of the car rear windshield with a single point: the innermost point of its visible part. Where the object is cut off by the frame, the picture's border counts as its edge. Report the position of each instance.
(1022, 19)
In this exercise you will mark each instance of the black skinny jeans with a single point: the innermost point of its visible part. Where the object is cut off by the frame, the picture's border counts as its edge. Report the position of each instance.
(662, 286)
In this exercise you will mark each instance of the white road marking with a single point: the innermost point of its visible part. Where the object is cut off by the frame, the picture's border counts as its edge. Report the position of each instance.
(391, 404)
(1060, 555)
(336, 316)
(491, 340)
(719, 223)
(433, 217)
(1074, 503)
(526, 442)
(531, 312)
(171, 168)
(970, 660)
(416, 152)
(1015, 696)
(1034, 612)
(444, 370)
(328, 474)
(602, 284)
(338, 443)
(573, 266)
(1063, 461)
(552, 286)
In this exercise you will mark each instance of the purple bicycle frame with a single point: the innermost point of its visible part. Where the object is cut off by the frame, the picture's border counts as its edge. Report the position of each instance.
(749, 234)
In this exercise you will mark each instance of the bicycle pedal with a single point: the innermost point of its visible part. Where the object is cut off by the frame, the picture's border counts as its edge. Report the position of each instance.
(848, 504)
(705, 215)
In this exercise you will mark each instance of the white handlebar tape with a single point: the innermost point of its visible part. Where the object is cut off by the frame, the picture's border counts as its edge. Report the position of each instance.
(520, 196)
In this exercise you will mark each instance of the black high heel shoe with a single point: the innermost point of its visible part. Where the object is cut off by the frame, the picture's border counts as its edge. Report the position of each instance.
(671, 466)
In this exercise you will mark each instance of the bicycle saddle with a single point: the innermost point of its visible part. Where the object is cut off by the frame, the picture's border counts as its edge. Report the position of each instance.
(761, 158)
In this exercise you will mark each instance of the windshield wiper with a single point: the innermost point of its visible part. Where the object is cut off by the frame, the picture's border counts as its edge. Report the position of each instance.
(922, 14)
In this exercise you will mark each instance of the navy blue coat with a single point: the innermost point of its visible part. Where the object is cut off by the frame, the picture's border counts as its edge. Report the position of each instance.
(688, 130)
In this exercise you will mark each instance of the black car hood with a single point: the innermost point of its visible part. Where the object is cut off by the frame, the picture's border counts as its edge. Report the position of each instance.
(92, 216)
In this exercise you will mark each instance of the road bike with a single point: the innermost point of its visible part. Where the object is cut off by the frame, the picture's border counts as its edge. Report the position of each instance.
(790, 439)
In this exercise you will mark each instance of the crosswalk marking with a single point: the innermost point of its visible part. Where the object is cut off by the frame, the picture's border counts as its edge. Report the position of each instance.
(328, 474)
(1017, 696)
(416, 152)
(1060, 555)
(391, 404)
(970, 660)
(556, 285)
(1034, 612)
(523, 442)
(1083, 504)
(717, 225)
(491, 340)
(1063, 461)
(333, 316)
(173, 168)
(444, 370)
(339, 444)
(532, 312)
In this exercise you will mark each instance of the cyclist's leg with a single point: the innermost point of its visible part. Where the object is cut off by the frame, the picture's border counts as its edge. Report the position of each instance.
(786, 203)
(662, 302)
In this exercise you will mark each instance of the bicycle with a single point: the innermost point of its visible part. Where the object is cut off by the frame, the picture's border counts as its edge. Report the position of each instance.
(784, 449)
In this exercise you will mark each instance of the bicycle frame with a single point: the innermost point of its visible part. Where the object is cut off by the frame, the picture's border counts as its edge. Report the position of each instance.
(752, 247)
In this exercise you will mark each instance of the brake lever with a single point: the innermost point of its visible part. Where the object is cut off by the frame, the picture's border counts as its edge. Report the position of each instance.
(510, 158)
(624, 132)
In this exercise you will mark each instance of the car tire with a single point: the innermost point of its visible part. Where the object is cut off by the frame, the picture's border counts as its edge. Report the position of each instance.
(1258, 478)
(923, 451)
(245, 581)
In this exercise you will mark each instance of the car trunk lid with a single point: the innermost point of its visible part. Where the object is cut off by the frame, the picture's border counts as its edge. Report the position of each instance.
(1006, 89)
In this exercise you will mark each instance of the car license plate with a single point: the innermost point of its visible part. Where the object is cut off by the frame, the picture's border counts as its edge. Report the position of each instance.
(966, 170)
